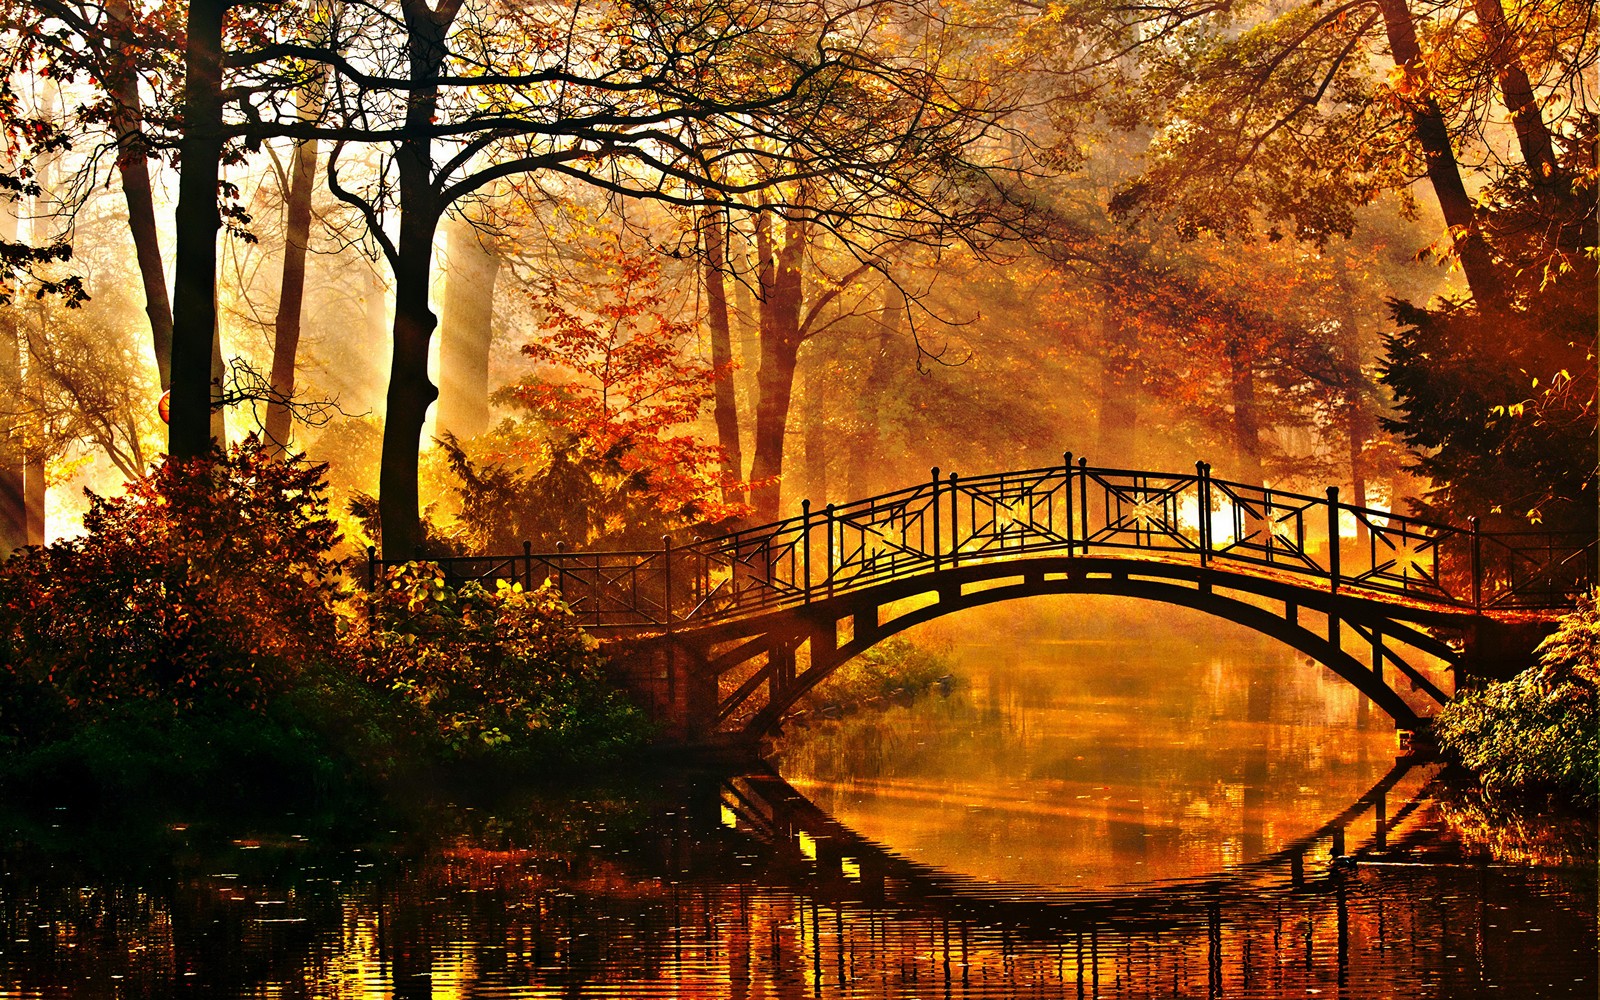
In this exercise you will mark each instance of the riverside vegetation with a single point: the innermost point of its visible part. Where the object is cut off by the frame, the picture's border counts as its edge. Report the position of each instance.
(200, 639)
(1537, 735)
(201, 642)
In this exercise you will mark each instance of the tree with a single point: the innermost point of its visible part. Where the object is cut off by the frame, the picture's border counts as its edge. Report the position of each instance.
(651, 103)
(1285, 111)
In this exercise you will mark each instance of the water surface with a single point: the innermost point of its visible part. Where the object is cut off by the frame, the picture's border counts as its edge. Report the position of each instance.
(1155, 816)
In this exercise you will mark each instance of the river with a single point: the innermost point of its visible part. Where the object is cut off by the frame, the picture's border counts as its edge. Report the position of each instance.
(1110, 803)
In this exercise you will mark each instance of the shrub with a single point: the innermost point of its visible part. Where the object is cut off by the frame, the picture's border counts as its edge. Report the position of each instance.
(892, 666)
(501, 673)
(1538, 733)
(206, 579)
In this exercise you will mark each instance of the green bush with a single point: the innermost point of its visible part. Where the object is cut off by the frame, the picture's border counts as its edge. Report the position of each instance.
(503, 673)
(893, 666)
(1538, 733)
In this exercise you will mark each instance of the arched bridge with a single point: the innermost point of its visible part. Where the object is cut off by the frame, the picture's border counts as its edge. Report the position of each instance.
(720, 637)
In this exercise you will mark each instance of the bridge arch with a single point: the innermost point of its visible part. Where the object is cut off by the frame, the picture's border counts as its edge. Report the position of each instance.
(763, 666)
(711, 627)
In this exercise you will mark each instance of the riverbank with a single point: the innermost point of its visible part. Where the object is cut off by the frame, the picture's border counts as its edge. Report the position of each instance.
(1535, 739)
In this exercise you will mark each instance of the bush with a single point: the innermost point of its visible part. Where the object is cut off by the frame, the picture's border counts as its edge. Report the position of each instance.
(503, 673)
(893, 666)
(1538, 733)
(206, 580)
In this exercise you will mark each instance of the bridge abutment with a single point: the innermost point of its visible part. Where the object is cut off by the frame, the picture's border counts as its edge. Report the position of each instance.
(1497, 650)
(670, 680)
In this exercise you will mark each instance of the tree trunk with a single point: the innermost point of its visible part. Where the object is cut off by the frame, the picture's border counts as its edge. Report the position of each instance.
(1428, 124)
(292, 289)
(411, 392)
(1533, 138)
(1246, 417)
(1117, 430)
(746, 328)
(219, 376)
(725, 404)
(13, 509)
(34, 496)
(778, 270)
(133, 166)
(868, 456)
(465, 331)
(197, 221)
(814, 427)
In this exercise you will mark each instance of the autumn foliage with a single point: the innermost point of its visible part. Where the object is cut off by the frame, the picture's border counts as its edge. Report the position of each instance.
(606, 452)
(210, 590)
(206, 578)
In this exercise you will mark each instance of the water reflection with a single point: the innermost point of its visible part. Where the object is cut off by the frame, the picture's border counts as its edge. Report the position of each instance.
(740, 887)
(1089, 762)
(1103, 820)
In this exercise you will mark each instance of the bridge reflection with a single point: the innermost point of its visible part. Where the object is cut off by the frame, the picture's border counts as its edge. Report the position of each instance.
(711, 886)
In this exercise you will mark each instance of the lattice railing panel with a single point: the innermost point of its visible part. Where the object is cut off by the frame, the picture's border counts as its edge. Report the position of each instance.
(1070, 510)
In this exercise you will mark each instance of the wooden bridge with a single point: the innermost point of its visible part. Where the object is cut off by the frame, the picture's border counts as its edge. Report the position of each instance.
(720, 637)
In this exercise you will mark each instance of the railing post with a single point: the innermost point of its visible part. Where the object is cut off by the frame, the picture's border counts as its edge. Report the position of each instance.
(561, 577)
(1477, 565)
(805, 548)
(527, 565)
(1066, 461)
(372, 567)
(1333, 565)
(1333, 539)
(1083, 502)
(935, 508)
(955, 523)
(829, 511)
(1203, 482)
(666, 573)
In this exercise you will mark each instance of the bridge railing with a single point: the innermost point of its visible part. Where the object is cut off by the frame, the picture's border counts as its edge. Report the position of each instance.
(1070, 509)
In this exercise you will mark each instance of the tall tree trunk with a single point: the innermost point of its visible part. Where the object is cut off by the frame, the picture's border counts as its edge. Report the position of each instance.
(1533, 138)
(725, 404)
(13, 509)
(778, 269)
(219, 375)
(197, 221)
(868, 455)
(814, 427)
(292, 289)
(33, 473)
(466, 331)
(746, 332)
(34, 495)
(1428, 125)
(1246, 417)
(1117, 429)
(411, 392)
(133, 166)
